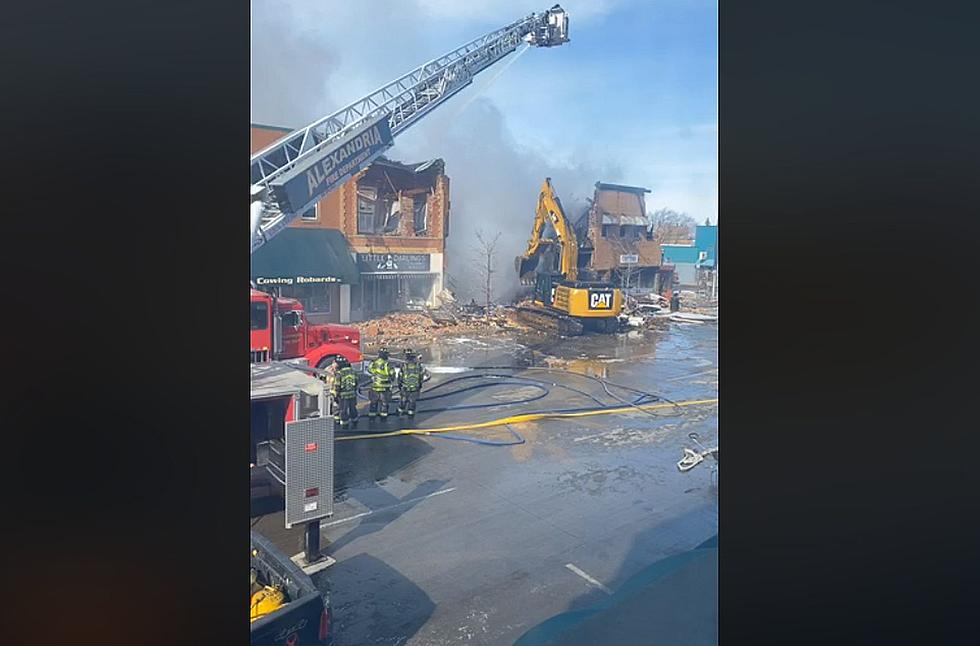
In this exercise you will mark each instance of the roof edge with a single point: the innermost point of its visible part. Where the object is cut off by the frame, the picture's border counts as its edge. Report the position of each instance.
(621, 187)
(268, 127)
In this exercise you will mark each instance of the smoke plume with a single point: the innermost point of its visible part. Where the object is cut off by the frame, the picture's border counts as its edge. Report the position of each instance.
(310, 59)
(494, 187)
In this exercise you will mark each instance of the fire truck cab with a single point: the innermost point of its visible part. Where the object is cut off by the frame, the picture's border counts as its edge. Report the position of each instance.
(280, 331)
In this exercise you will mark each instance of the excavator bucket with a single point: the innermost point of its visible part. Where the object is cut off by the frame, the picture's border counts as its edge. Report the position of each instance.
(525, 269)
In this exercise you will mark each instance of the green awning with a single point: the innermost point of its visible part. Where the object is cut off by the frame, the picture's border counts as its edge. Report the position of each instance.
(304, 256)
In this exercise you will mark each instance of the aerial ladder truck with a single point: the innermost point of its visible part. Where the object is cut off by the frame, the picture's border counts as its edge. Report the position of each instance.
(292, 174)
(563, 299)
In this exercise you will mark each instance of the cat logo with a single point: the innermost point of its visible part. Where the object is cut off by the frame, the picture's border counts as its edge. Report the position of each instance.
(600, 300)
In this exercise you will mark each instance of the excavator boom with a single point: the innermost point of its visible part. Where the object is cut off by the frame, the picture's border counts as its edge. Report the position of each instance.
(549, 210)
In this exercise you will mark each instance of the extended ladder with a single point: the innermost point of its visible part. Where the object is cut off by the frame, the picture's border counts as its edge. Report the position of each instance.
(292, 174)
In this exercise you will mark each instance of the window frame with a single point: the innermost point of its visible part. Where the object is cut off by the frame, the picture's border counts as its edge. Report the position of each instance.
(363, 195)
(316, 214)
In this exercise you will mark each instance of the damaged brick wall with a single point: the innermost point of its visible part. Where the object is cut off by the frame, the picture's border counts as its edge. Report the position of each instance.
(618, 204)
(439, 209)
(341, 213)
(607, 252)
(338, 209)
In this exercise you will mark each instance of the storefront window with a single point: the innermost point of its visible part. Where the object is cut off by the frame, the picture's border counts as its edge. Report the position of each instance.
(315, 298)
(319, 300)
(355, 296)
(418, 288)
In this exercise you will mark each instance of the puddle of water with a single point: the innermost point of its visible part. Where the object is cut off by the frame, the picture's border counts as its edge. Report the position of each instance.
(597, 481)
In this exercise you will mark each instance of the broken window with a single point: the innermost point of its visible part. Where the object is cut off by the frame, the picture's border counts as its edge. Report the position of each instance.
(367, 207)
(391, 201)
(378, 211)
(420, 213)
(380, 192)
(392, 211)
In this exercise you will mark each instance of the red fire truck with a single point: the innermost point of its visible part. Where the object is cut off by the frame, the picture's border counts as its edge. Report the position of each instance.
(281, 331)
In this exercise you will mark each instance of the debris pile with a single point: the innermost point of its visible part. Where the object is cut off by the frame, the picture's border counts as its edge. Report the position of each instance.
(430, 324)
(653, 310)
(695, 303)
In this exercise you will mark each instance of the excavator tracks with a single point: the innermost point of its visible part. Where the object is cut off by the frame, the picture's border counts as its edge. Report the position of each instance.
(549, 321)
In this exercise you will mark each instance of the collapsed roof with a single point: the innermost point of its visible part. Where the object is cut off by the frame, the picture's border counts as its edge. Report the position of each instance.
(621, 205)
(437, 166)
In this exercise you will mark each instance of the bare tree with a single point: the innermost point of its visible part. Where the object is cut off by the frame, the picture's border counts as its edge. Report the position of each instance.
(626, 270)
(669, 226)
(486, 250)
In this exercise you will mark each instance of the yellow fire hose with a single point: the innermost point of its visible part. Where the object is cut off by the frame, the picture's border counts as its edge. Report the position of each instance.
(527, 417)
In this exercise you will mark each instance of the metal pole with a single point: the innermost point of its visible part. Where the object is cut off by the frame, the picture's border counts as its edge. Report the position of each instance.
(311, 543)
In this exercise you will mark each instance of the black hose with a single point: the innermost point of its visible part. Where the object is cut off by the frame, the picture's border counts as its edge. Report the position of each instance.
(528, 380)
(475, 440)
(500, 380)
(543, 392)
(601, 380)
(643, 397)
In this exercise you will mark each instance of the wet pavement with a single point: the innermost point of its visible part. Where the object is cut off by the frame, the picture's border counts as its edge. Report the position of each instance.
(441, 541)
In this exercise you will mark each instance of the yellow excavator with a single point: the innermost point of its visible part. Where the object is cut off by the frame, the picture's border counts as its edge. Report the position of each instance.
(563, 300)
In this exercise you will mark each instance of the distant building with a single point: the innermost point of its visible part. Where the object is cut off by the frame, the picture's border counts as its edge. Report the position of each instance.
(694, 262)
(616, 238)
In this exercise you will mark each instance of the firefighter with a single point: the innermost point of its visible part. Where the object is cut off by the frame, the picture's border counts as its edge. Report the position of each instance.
(345, 393)
(380, 393)
(328, 377)
(410, 379)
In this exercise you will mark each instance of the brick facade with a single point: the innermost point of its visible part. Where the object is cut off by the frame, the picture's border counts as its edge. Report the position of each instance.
(339, 210)
(624, 208)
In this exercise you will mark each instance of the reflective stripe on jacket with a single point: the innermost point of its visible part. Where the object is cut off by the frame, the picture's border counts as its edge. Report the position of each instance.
(381, 374)
(346, 381)
(411, 376)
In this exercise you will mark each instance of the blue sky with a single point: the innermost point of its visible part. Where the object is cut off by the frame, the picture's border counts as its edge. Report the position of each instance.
(631, 99)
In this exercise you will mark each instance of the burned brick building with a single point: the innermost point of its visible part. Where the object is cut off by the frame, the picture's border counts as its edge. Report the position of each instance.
(374, 245)
(617, 239)
(396, 218)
